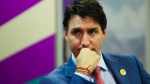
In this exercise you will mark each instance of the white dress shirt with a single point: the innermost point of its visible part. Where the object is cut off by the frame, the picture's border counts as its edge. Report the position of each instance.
(105, 72)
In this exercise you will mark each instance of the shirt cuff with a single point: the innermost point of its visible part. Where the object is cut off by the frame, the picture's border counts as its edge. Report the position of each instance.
(84, 76)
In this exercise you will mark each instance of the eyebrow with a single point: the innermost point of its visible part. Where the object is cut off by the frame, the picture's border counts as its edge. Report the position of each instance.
(78, 29)
(94, 28)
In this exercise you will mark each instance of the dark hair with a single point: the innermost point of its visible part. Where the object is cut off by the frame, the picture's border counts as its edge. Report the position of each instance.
(85, 8)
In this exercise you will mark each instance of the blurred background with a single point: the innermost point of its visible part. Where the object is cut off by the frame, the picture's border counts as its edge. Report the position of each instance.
(32, 43)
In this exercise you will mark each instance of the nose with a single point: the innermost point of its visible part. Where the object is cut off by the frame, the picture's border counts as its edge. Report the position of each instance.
(85, 40)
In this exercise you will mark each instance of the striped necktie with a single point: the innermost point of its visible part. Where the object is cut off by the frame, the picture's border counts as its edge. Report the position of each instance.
(98, 76)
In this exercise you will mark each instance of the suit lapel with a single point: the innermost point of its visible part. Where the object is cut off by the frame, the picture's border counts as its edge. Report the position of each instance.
(70, 67)
(115, 66)
(112, 63)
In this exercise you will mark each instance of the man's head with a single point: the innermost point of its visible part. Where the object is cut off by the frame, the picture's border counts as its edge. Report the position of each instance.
(85, 26)
(85, 8)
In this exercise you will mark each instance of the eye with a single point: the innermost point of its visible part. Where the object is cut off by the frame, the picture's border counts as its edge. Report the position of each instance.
(92, 31)
(76, 32)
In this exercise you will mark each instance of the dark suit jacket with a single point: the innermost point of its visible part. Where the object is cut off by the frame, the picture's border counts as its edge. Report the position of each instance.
(135, 73)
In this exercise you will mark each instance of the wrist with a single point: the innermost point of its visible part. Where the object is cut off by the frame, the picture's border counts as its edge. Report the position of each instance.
(84, 71)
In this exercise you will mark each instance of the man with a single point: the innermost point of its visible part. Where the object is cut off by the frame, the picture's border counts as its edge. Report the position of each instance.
(84, 30)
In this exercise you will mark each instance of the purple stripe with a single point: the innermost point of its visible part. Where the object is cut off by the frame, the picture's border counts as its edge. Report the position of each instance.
(11, 8)
(29, 63)
(66, 3)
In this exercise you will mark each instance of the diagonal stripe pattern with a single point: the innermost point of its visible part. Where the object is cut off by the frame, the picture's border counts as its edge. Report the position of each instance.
(11, 8)
(31, 56)
(29, 63)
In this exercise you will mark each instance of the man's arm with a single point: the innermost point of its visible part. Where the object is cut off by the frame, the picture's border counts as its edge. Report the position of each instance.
(79, 80)
(75, 79)
(47, 80)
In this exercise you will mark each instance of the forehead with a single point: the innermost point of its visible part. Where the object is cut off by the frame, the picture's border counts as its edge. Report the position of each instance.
(86, 21)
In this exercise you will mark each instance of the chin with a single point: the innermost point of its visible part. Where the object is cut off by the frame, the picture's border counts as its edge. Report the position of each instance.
(76, 54)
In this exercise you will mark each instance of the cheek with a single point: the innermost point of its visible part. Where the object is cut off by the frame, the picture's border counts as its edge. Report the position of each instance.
(98, 43)
(73, 43)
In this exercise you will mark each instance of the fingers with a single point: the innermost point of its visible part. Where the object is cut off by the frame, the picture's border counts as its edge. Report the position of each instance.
(87, 58)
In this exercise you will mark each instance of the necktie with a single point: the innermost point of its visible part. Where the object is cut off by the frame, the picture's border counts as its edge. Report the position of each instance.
(98, 76)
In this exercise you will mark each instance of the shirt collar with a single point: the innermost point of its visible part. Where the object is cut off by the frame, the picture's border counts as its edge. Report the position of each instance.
(101, 62)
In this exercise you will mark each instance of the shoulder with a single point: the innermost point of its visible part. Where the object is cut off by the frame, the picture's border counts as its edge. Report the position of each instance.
(126, 58)
(132, 64)
(120, 56)
(57, 72)
(54, 76)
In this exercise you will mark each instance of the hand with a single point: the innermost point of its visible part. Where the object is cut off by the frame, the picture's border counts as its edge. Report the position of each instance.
(87, 58)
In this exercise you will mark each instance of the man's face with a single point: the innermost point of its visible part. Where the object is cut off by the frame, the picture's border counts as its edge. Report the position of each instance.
(84, 33)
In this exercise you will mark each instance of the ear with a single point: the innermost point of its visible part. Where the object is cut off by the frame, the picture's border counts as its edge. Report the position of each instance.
(104, 34)
(65, 35)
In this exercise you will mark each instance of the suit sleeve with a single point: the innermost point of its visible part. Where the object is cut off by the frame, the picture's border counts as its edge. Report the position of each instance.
(76, 79)
(144, 75)
(48, 81)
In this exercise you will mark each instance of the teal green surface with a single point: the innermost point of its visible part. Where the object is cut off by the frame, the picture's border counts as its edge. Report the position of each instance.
(35, 81)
